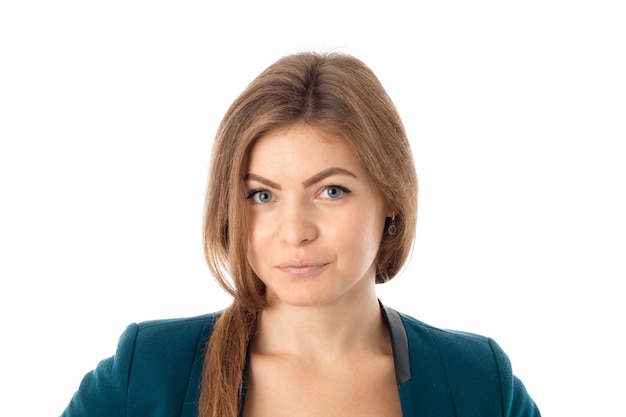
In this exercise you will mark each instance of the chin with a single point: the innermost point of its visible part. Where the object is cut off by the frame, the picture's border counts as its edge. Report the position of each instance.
(300, 299)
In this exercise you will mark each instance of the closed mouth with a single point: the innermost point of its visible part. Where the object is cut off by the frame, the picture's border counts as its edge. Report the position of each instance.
(300, 268)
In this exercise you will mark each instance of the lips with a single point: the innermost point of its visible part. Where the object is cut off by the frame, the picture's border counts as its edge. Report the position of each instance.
(298, 268)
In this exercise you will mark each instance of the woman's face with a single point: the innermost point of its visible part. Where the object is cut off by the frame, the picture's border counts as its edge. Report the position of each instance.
(315, 218)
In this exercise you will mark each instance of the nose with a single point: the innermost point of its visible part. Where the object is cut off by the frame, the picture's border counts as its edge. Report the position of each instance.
(296, 225)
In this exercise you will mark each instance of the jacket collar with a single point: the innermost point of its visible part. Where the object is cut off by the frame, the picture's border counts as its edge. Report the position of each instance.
(399, 343)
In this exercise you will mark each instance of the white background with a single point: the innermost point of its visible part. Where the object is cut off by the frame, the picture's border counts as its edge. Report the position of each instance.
(516, 113)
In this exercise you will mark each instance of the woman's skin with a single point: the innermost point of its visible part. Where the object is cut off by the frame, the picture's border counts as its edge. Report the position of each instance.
(315, 223)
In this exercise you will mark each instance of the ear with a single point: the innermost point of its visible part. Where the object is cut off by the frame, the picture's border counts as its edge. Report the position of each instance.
(388, 211)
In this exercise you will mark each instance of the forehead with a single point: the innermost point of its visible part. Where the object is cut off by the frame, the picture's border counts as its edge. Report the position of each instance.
(301, 146)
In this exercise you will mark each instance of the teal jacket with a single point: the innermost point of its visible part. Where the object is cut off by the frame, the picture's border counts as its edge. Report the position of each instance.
(156, 372)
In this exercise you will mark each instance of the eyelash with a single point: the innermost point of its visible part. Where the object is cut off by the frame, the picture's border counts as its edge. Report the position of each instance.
(343, 189)
(255, 191)
(250, 195)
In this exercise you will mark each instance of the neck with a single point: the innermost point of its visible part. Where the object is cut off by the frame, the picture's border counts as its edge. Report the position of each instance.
(325, 332)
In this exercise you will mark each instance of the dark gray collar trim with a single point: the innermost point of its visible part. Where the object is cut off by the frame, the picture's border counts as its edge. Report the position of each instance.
(399, 343)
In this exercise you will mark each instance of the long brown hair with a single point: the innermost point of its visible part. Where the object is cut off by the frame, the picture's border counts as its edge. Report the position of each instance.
(334, 92)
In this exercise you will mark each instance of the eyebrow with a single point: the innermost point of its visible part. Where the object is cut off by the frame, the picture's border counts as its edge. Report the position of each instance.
(306, 183)
(262, 180)
(325, 174)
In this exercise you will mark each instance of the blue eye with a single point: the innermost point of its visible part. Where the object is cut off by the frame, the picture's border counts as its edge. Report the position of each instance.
(260, 196)
(333, 192)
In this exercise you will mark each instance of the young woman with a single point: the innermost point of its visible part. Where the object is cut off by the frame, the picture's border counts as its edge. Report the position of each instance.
(312, 201)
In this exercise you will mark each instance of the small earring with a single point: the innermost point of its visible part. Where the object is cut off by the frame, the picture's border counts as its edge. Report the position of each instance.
(392, 229)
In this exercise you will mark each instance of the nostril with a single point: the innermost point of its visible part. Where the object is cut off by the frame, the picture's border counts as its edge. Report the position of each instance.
(297, 231)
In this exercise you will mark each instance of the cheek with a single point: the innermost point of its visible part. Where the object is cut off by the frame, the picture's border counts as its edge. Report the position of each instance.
(360, 235)
(259, 234)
